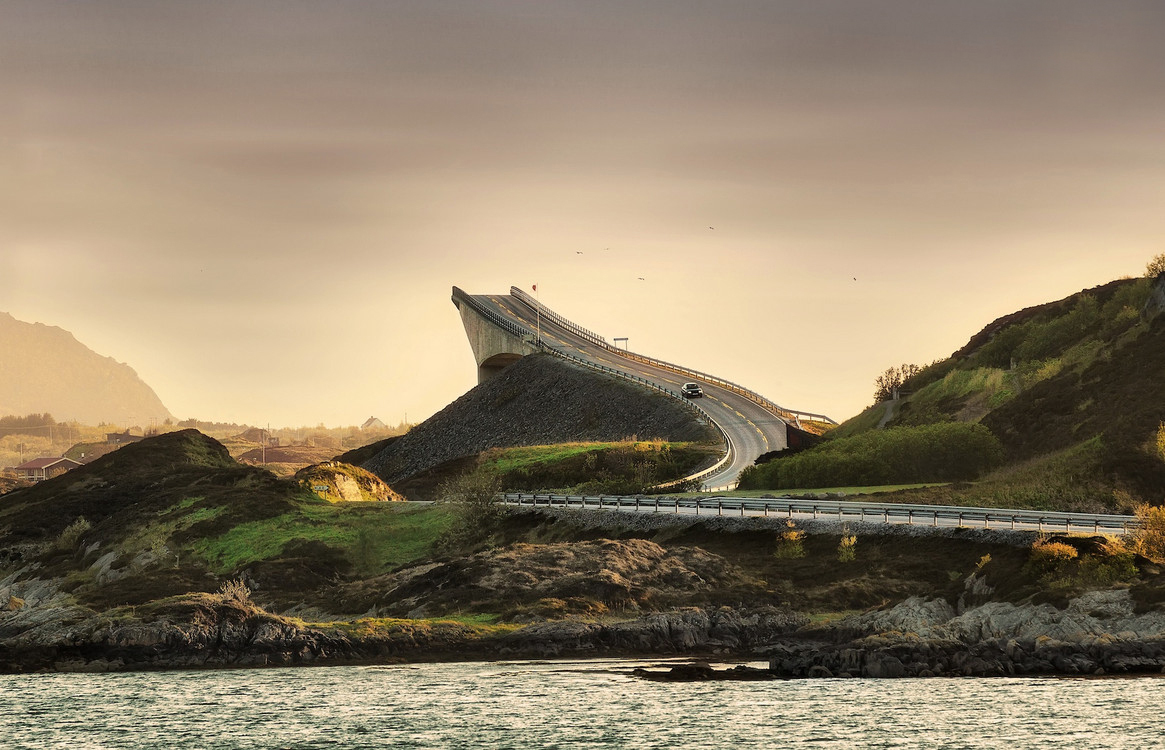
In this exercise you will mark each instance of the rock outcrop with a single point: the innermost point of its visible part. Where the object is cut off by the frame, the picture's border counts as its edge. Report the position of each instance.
(1097, 633)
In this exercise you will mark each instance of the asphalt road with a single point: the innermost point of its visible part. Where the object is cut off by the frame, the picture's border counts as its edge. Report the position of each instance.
(752, 429)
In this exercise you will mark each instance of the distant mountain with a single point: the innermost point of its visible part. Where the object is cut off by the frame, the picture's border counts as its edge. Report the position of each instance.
(45, 369)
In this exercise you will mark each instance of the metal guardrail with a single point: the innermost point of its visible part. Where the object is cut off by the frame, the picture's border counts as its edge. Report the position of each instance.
(789, 415)
(927, 515)
(521, 331)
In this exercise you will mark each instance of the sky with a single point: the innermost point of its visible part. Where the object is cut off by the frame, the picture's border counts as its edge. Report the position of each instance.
(262, 206)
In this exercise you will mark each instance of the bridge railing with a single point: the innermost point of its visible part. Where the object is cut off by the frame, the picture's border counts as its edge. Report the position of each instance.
(841, 510)
(789, 415)
(506, 324)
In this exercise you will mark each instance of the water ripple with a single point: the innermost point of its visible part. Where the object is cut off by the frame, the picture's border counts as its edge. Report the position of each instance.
(595, 704)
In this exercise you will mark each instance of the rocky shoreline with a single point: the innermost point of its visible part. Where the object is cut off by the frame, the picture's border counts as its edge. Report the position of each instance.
(1097, 634)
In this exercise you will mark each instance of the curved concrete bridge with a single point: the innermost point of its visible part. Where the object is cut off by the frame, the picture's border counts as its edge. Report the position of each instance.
(503, 328)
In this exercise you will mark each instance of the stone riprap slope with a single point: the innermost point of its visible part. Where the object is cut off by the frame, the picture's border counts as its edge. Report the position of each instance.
(539, 400)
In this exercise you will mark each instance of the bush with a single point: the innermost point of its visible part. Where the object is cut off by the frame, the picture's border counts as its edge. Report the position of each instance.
(475, 499)
(790, 543)
(943, 452)
(1050, 558)
(72, 534)
(235, 591)
(1155, 267)
(847, 548)
(1149, 538)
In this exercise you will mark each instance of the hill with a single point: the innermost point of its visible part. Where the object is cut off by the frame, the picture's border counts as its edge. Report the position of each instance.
(1072, 390)
(168, 553)
(45, 369)
(538, 400)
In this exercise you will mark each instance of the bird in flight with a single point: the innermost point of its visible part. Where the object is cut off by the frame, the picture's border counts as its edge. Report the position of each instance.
(711, 227)
(642, 279)
(578, 252)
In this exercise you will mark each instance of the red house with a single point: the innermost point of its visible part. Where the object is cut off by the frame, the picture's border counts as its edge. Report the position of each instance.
(40, 469)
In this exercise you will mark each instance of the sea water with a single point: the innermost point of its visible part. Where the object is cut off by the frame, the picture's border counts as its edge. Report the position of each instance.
(567, 704)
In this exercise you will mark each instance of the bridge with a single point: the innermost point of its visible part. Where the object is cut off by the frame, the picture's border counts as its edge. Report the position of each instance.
(503, 328)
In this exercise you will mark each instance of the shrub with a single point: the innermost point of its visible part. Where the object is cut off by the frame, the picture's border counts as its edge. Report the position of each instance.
(1161, 441)
(235, 591)
(1050, 558)
(1149, 538)
(790, 543)
(847, 548)
(1155, 267)
(72, 534)
(475, 498)
(943, 452)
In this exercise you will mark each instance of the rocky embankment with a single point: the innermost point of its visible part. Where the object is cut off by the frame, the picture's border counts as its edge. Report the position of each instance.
(538, 400)
(1098, 633)
(216, 630)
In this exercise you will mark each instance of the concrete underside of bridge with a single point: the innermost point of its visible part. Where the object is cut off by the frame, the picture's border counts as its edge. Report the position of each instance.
(493, 348)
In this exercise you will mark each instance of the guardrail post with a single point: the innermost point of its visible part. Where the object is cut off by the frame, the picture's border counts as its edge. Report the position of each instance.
(814, 512)
(1041, 522)
(741, 507)
(960, 519)
(719, 507)
(910, 517)
(935, 519)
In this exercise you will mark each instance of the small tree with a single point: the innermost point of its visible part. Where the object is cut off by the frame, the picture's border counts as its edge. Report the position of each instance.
(1156, 267)
(892, 379)
(475, 499)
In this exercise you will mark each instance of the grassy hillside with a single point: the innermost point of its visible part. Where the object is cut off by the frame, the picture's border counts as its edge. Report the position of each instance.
(176, 513)
(1073, 391)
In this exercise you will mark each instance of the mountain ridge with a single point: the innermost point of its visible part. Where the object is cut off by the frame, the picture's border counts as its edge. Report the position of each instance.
(46, 369)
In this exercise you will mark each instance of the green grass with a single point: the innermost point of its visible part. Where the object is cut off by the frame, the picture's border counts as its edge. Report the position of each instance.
(867, 420)
(503, 460)
(366, 627)
(376, 537)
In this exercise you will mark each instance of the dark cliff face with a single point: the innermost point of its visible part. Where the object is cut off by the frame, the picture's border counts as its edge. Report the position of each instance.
(44, 369)
(538, 400)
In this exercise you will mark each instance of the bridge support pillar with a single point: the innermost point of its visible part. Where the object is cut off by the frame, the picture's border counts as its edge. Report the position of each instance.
(493, 347)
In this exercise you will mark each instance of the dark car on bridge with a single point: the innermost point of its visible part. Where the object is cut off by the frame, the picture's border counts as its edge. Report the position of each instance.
(692, 390)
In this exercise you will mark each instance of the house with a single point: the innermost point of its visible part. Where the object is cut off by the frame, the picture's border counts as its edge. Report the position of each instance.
(122, 438)
(40, 469)
(372, 423)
